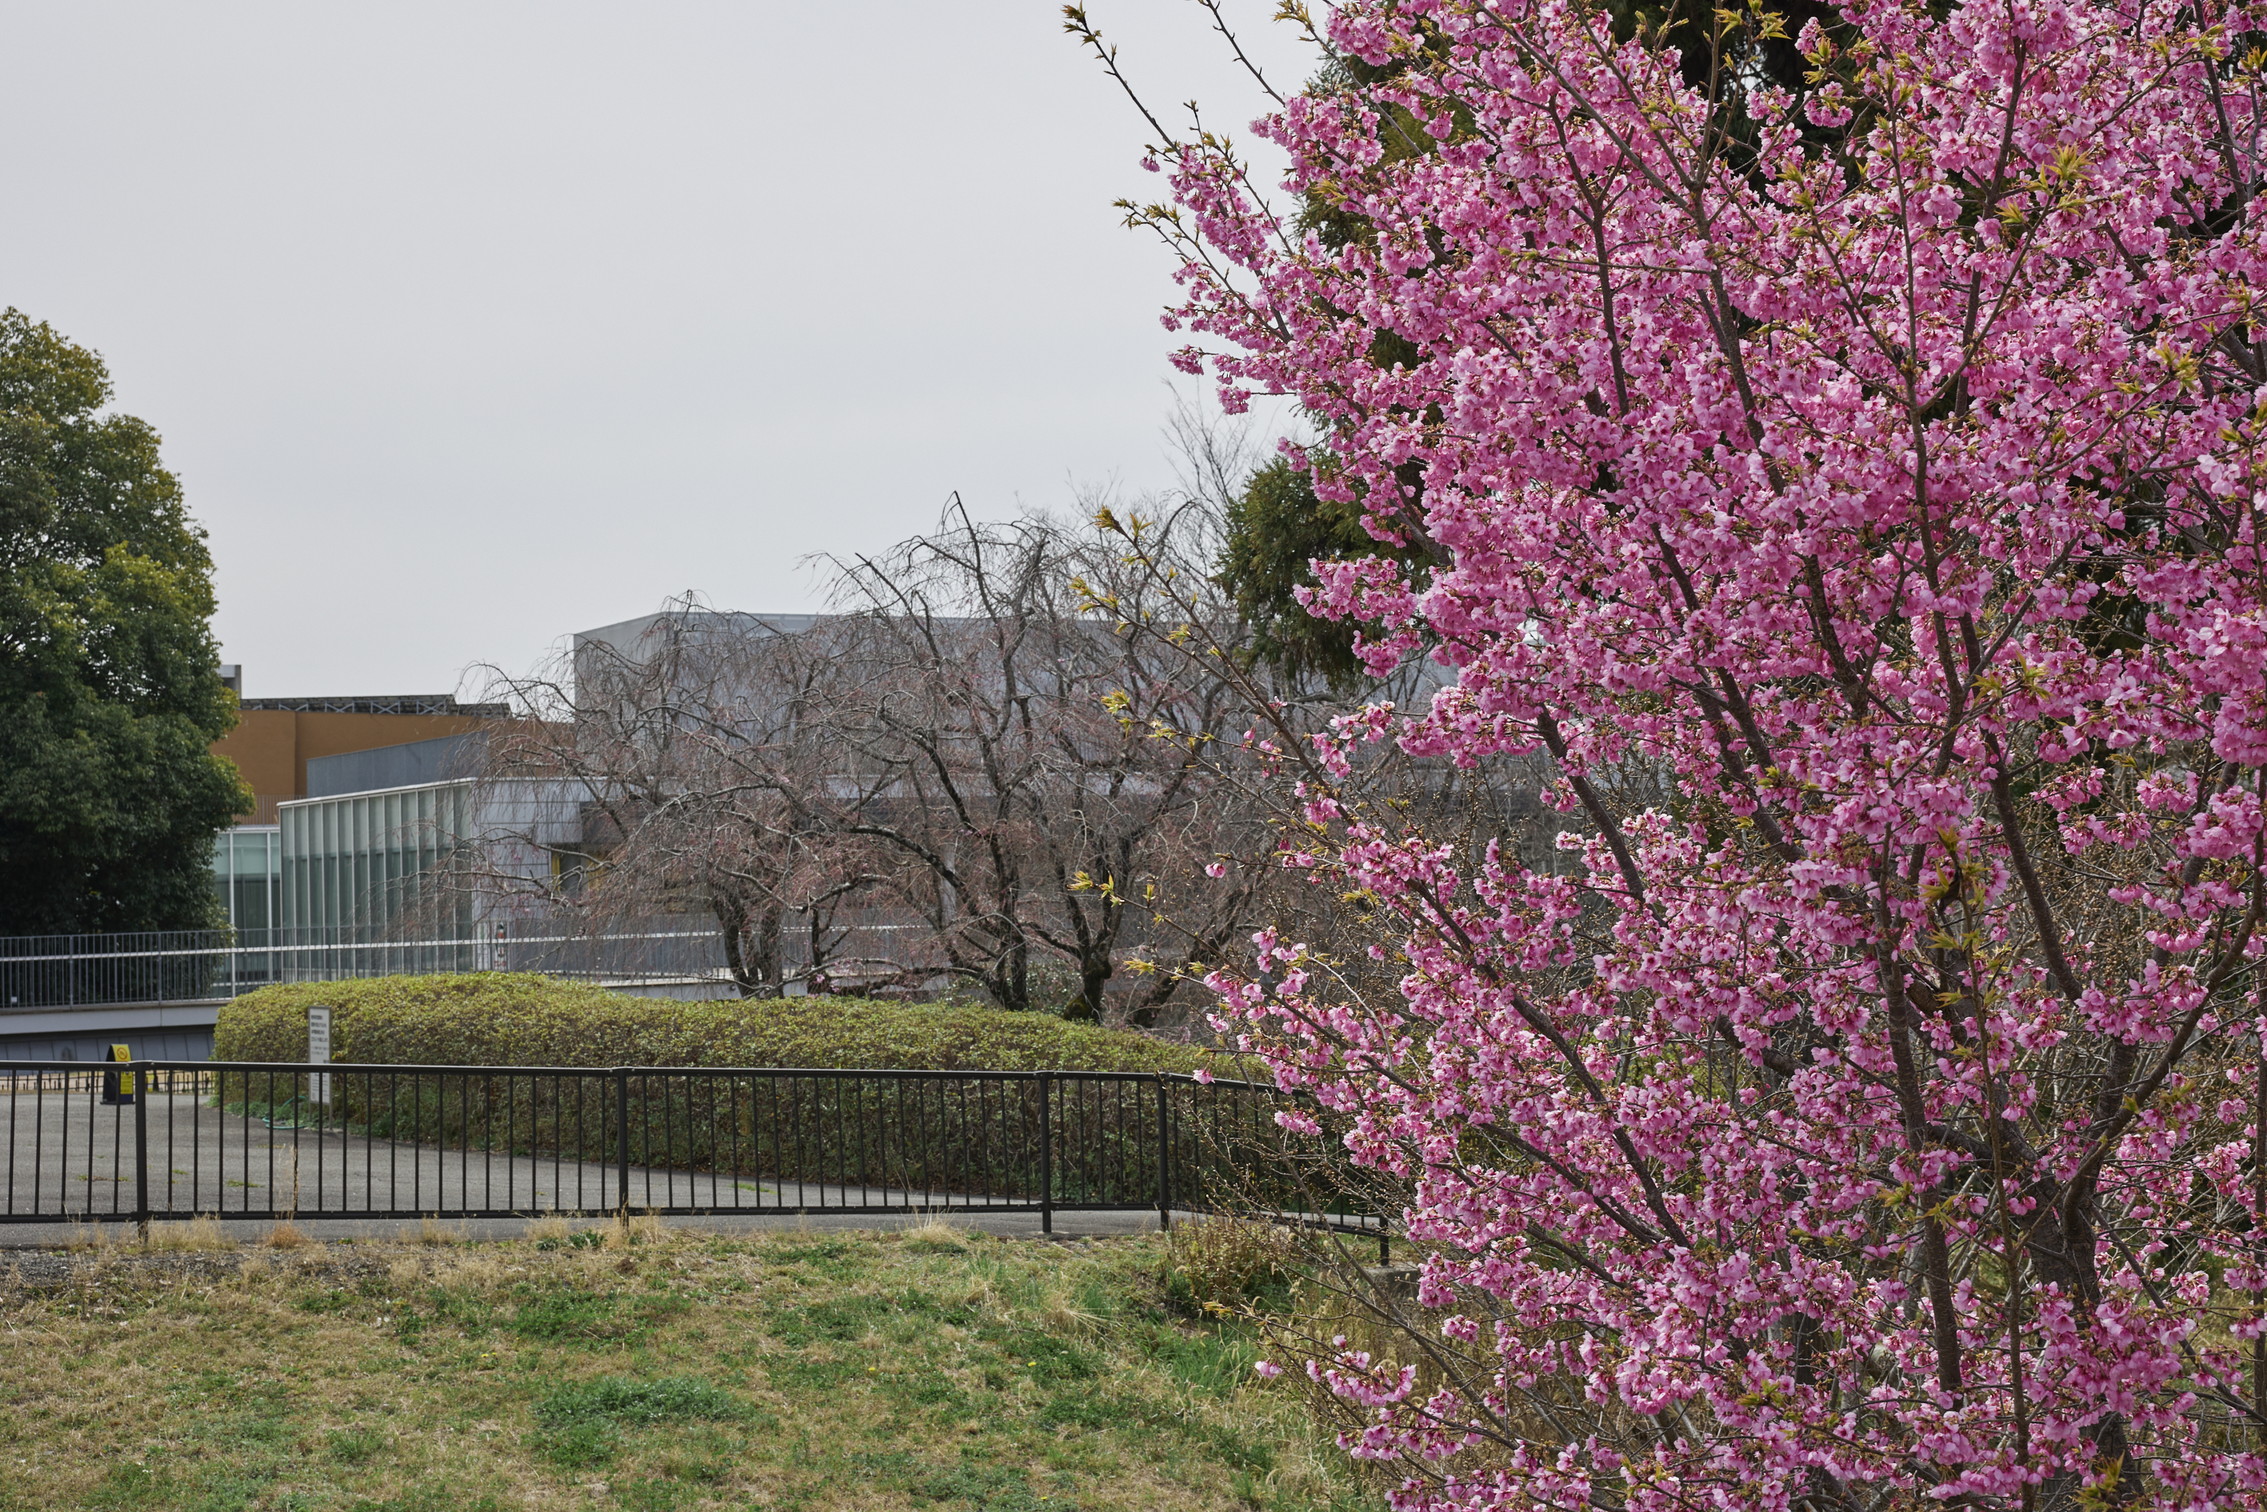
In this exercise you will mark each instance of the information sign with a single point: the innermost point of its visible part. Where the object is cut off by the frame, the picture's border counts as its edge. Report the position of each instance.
(118, 1086)
(319, 1052)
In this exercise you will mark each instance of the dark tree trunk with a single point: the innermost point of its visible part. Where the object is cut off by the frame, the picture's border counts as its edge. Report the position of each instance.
(1093, 981)
(752, 958)
(1009, 979)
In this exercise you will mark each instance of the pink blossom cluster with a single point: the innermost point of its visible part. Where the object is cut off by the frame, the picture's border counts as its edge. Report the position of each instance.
(1874, 469)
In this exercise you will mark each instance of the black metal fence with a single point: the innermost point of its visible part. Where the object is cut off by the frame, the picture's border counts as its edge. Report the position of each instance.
(156, 1140)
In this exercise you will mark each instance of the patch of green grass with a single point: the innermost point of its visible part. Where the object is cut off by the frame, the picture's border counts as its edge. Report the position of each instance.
(995, 1488)
(827, 1256)
(792, 1372)
(1081, 1409)
(427, 1499)
(468, 1312)
(354, 1446)
(568, 1313)
(1211, 1360)
(925, 1388)
(838, 1320)
(941, 1372)
(708, 1456)
(129, 1486)
(1044, 1356)
(655, 1495)
(578, 1446)
(672, 1399)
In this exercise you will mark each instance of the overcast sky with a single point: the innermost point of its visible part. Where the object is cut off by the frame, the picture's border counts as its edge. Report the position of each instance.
(469, 325)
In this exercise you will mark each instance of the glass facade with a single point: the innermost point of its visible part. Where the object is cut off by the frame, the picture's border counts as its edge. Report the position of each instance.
(375, 861)
(248, 875)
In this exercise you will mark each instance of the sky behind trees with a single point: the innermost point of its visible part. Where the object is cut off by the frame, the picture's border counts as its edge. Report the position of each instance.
(467, 326)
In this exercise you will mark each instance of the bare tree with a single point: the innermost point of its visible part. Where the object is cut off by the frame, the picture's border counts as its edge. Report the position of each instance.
(1036, 748)
(698, 750)
(1047, 773)
(1268, 771)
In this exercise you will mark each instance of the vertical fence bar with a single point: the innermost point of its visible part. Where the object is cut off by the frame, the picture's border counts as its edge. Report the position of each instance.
(645, 1135)
(787, 1136)
(732, 1104)
(172, 1079)
(393, 1139)
(141, 1151)
(581, 1085)
(63, 1142)
(1046, 1157)
(196, 1143)
(331, 1090)
(1164, 1158)
(979, 1139)
(622, 1142)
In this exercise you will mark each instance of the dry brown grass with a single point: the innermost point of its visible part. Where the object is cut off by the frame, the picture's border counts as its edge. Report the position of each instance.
(203, 1233)
(549, 1226)
(634, 1229)
(935, 1231)
(95, 1238)
(286, 1236)
(432, 1231)
(811, 1371)
(1227, 1261)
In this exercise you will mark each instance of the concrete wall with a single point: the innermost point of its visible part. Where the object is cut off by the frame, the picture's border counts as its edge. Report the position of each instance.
(146, 1044)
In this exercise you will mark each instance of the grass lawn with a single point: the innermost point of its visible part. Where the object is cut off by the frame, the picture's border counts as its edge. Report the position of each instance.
(926, 1369)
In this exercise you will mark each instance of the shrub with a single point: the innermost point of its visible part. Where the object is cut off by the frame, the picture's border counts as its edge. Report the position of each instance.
(978, 1134)
(520, 1019)
(1226, 1262)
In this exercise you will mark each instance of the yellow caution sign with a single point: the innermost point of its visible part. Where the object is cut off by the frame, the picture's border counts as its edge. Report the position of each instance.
(118, 1086)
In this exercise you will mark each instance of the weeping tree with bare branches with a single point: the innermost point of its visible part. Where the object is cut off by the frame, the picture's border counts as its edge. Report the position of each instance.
(699, 751)
(1048, 760)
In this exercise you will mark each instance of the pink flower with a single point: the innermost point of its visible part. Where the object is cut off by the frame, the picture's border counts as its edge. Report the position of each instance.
(1858, 532)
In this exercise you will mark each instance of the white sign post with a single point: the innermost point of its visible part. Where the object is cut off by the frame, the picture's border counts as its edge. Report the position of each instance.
(319, 1053)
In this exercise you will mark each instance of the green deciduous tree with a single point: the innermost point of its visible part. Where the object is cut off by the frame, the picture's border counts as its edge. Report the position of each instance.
(110, 690)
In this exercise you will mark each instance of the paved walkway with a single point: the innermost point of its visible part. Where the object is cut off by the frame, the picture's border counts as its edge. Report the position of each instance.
(69, 1156)
(1068, 1226)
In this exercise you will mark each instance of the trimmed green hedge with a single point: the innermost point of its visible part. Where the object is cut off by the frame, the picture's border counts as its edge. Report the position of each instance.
(973, 1134)
(520, 1019)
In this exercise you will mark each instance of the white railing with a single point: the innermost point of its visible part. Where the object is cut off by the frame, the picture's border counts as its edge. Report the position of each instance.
(50, 971)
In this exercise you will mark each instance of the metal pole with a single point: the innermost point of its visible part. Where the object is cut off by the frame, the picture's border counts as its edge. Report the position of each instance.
(142, 1151)
(1164, 1156)
(1046, 1156)
(622, 1141)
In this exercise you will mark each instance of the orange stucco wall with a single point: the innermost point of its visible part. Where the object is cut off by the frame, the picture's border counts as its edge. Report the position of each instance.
(272, 747)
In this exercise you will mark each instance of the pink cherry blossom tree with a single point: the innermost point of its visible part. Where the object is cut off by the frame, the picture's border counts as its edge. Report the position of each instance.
(1861, 431)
